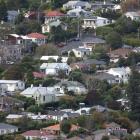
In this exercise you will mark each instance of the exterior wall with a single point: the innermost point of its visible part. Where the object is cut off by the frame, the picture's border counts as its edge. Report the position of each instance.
(39, 41)
(7, 131)
(13, 86)
(46, 98)
(46, 28)
(80, 53)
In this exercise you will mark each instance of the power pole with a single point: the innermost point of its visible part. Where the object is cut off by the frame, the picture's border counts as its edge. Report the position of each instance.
(138, 33)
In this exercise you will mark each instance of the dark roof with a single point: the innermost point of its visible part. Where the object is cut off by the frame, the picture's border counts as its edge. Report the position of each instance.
(7, 126)
(92, 40)
(137, 130)
(104, 76)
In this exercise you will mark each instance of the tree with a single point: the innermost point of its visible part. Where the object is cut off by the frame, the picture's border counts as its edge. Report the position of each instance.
(13, 73)
(134, 95)
(114, 40)
(65, 126)
(27, 27)
(105, 138)
(130, 5)
(3, 10)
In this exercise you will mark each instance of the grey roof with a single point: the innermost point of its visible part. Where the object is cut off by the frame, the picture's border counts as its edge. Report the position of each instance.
(81, 3)
(61, 113)
(137, 130)
(7, 126)
(104, 76)
(70, 84)
(82, 49)
(94, 40)
(113, 124)
(92, 62)
(41, 90)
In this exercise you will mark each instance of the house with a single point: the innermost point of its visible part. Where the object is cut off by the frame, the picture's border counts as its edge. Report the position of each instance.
(13, 118)
(70, 86)
(55, 129)
(7, 129)
(83, 110)
(102, 5)
(111, 79)
(38, 134)
(42, 94)
(115, 129)
(98, 134)
(56, 58)
(95, 21)
(53, 16)
(73, 4)
(16, 39)
(88, 65)
(115, 55)
(46, 28)
(8, 104)
(91, 41)
(12, 85)
(81, 52)
(136, 132)
(12, 14)
(136, 50)
(121, 73)
(55, 68)
(133, 15)
(38, 38)
(78, 12)
(39, 117)
(61, 115)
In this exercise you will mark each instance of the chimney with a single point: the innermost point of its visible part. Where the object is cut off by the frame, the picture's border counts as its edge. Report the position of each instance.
(32, 85)
(39, 113)
(40, 85)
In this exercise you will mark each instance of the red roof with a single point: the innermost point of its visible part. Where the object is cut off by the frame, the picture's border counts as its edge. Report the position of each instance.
(54, 14)
(36, 133)
(37, 36)
(38, 75)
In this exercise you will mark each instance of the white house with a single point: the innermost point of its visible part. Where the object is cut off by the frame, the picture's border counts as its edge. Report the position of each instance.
(7, 129)
(73, 4)
(11, 85)
(73, 86)
(42, 94)
(122, 73)
(133, 15)
(78, 12)
(46, 28)
(53, 16)
(54, 68)
(81, 52)
(46, 58)
(93, 22)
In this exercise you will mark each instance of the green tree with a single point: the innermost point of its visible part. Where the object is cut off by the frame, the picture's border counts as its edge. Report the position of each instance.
(134, 95)
(3, 10)
(105, 138)
(65, 126)
(114, 40)
(27, 27)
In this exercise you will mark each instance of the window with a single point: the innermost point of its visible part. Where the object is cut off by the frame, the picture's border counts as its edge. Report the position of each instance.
(43, 98)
